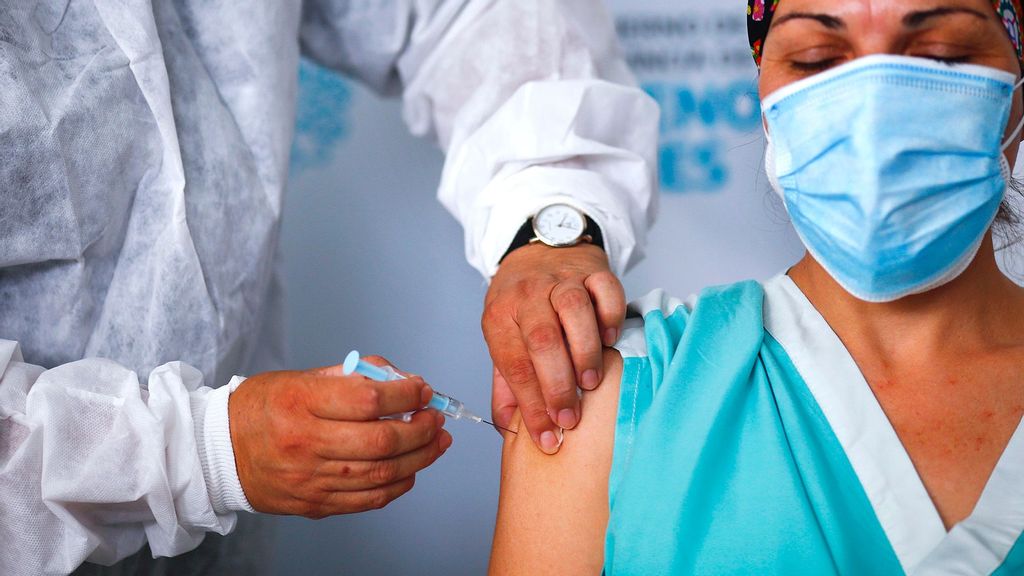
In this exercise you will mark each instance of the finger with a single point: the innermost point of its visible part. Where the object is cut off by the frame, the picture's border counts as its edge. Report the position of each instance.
(545, 342)
(513, 362)
(375, 440)
(354, 398)
(351, 502)
(365, 475)
(503, 400)
(609, 300)
(571, 301)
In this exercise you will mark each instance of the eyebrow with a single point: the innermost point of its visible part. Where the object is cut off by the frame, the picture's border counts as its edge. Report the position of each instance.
(830, 22)
(911, 20)
(917, 19)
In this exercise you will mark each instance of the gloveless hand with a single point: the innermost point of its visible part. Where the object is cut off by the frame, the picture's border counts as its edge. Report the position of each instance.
(547, 313)
(312, 443)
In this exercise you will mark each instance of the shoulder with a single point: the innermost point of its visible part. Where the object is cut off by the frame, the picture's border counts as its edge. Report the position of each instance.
(598, 407)
(657, 323)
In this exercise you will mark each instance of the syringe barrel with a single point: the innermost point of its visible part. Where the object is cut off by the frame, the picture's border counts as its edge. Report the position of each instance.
(446, 405)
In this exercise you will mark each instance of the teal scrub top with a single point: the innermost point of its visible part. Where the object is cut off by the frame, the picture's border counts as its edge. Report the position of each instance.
(726, 463)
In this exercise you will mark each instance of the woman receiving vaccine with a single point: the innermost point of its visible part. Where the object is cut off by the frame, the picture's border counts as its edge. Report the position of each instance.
(860, 413)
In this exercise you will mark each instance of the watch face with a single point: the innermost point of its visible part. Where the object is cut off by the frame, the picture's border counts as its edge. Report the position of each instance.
(559, 225)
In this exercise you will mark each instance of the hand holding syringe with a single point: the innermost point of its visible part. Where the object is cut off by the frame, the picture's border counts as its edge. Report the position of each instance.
(444, 404)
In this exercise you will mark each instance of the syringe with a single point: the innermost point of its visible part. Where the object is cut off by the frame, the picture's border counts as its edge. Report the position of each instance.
(443, 403)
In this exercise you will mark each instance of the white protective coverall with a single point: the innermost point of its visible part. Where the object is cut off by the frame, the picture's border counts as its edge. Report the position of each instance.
(143, 155)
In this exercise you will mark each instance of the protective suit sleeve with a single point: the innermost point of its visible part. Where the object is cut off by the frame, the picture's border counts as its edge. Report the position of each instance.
(92, 465)
(530, 99)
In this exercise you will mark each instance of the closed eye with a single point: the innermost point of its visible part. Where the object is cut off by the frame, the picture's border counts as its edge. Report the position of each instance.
(815, 65)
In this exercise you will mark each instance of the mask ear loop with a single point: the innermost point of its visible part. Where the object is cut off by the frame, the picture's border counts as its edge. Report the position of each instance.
(1020, 125)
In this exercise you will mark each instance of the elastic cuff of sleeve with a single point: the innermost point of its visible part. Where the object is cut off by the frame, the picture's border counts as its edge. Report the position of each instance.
(218, 455)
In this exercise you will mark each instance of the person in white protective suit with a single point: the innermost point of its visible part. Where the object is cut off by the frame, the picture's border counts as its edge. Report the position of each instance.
(143, 156)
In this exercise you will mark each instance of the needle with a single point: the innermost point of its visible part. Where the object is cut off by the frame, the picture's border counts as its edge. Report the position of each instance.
(502, 427)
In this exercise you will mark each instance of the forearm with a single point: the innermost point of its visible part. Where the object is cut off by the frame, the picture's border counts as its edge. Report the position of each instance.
(95, 465)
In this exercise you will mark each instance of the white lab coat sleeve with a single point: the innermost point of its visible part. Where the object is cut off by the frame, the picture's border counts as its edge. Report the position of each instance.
(93, 465)
(530, 99)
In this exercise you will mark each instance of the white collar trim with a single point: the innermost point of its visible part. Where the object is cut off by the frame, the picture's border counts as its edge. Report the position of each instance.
(977, 545)
(895, 490)
(980, 543)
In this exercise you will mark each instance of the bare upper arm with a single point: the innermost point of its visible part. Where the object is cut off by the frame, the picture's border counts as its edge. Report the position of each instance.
(553, 510)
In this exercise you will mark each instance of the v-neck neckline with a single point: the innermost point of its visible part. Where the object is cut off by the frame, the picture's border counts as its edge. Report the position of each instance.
(903, 506)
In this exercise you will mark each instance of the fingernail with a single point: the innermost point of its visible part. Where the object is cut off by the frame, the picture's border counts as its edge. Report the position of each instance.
(446, 441)
(590, 379)
(440, 419)
(611, 336)
(549, 443)
(567, 418)
(425, 395)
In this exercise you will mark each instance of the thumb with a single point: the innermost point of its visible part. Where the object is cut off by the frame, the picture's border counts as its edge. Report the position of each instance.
(503, 401)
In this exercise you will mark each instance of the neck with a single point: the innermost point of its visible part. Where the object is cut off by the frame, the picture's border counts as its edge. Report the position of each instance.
(978, 310)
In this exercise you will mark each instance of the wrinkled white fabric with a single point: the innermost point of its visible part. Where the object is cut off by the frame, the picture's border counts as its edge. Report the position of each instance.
(530, 99)
(143, 156)
(95, 465)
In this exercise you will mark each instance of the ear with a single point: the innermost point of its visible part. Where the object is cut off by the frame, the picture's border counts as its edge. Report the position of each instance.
(1016, 136)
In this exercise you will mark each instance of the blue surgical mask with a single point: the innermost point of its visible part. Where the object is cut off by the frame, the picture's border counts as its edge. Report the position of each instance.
(891, 168)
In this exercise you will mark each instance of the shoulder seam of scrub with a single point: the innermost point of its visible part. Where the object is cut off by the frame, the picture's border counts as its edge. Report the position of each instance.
(633, 341)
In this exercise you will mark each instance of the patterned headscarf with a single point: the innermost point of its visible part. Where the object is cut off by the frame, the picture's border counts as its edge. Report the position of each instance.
(760, 13)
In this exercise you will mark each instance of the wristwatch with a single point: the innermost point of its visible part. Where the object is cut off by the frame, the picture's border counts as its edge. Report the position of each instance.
(558, 226)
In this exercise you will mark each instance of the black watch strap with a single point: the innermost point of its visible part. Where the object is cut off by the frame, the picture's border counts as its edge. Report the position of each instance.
(525, 235)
